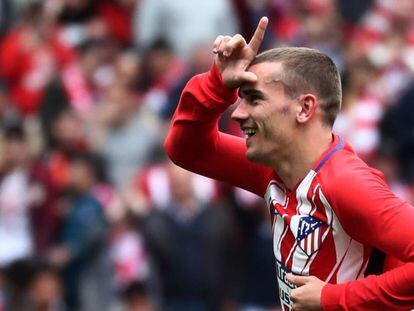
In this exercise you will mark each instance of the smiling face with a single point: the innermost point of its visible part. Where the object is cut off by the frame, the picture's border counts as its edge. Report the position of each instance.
(267, 115)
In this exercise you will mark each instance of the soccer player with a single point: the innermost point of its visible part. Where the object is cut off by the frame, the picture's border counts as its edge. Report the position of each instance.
(328, 208)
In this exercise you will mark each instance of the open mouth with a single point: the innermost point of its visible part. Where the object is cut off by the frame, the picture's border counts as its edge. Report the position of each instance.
(249, 132)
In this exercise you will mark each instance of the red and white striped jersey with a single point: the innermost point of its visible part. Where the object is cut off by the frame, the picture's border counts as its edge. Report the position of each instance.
(307, 234)
(326, 226)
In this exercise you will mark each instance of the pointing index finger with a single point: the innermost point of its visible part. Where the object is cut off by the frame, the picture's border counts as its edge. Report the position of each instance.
(258, 35)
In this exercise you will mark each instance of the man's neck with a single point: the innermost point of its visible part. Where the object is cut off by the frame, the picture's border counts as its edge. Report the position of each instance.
(296, 163)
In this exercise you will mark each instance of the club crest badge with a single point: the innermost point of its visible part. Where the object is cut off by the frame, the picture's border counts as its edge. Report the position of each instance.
(309, 233)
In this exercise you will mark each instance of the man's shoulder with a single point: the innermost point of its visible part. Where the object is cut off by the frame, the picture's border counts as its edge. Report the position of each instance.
(345, 171)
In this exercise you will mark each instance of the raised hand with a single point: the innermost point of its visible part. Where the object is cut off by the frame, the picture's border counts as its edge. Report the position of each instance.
(234, 54)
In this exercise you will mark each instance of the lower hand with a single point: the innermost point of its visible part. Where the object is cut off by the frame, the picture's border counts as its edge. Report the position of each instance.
(307, 297)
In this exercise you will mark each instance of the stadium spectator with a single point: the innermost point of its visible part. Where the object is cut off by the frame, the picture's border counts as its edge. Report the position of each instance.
(397, 134)
(118, 16)
(76, 86)
(160, 72)
(37, 46)
(128, 252)
(124, 131)
(8, 115)
(192, 22)
(136, 298)
(16, 198)
(45, 289)
(76, 11)
(81, 250)
(6, 16)
(192, 255)
(64, 138)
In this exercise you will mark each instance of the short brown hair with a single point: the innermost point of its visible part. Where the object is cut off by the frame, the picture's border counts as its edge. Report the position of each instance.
(308, 71)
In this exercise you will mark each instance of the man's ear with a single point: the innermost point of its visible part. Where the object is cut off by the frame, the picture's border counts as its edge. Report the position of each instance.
(307, 107)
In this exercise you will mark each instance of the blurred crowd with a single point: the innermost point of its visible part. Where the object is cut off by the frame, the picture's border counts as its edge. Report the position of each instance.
(92, 214)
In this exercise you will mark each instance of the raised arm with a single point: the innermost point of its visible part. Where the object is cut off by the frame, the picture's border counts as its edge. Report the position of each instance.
(194, 141)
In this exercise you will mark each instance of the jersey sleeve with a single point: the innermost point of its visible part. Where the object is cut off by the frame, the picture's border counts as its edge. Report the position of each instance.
(371, 214)
(195, 143)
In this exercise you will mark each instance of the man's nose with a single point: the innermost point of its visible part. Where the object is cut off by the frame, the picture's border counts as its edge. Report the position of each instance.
(241, 112)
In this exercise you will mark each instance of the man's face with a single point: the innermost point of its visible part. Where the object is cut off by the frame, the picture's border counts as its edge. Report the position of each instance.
(17, 152)
(266, 115)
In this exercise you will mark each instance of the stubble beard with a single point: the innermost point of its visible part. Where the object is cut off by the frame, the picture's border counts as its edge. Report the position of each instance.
(255, 156)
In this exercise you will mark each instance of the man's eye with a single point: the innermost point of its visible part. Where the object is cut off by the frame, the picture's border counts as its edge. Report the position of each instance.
(254, 100)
